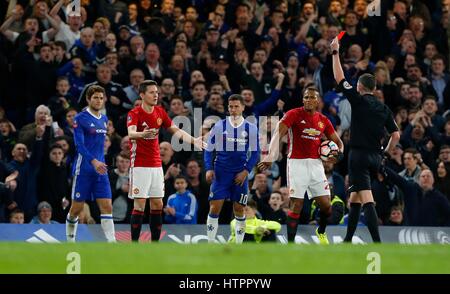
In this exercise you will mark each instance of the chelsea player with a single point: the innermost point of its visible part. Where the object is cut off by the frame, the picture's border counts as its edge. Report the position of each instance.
(235, 143)
(90, 181)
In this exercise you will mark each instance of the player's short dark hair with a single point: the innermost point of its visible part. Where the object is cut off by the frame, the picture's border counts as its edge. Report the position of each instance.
(368, 81)
(94, 89)
(311, 88)
(236, 97)
(143, 85)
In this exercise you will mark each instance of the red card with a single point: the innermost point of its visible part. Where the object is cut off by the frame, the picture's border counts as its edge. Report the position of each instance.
(341, 34)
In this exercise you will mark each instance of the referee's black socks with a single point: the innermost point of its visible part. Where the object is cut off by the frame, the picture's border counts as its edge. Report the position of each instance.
(155, 224)
(370, 214)
(353, 218)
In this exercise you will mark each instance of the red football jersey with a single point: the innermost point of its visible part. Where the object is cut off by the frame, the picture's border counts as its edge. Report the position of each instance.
(145, 152)
(305, 132)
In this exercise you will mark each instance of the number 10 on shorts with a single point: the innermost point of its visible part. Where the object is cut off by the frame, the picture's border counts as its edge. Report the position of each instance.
(244, 198)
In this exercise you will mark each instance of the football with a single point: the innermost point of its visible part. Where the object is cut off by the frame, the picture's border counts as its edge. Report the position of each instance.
(326, 148)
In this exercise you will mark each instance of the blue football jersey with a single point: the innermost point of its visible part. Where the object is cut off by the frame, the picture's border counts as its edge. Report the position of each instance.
(236, 148)
(89, 137)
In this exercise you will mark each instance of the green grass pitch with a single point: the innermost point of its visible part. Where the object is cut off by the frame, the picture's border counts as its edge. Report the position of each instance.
(168, 258)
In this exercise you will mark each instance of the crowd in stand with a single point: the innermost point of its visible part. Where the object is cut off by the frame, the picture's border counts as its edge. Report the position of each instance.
(200, 52)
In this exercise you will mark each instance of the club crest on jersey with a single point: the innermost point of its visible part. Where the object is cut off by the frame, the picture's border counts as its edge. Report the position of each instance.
(320, 125)
(159, 121)
(136, 191)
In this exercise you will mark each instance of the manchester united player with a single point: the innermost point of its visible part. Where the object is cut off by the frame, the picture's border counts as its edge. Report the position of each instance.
(305, 127)
(146, 174)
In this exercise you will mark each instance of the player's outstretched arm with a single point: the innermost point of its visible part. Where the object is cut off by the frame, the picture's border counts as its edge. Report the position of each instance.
(337, 68)
(274, 147)
(180, 134)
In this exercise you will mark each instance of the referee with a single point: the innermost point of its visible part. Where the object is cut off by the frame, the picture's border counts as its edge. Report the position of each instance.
(369, 120)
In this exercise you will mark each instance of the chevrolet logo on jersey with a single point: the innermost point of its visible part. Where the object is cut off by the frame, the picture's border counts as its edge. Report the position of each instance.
(311, 132)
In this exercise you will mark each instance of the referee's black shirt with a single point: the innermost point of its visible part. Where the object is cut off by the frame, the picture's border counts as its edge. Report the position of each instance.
(370, 117)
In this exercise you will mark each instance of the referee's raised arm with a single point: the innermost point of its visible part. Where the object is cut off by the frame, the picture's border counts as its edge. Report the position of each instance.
(337, 68)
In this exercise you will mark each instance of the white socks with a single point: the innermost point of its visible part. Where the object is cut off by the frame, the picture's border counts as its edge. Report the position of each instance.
(239, 229)
(108, 227)
(71, 228)
(211, 227)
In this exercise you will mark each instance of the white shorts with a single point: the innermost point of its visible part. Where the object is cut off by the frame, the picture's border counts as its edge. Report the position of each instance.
(306, 175)
(146, 182)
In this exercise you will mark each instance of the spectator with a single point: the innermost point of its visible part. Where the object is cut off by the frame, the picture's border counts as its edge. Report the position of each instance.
(16, 216)
(8, 138)
(424, 205)
(69, 122)
(336, 180)
(412, 165)
(396, 217)
(117, 100)
(273, 211)
(26, 192)
(42, 117)
(59, 103)
(119, 178)
(8, 176)
(44, 216)
(182, 206)
(53, 185)
(132, 91)
(442, 176)
(199, 188)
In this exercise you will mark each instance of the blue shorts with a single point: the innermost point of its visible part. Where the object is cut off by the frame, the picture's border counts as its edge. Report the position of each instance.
(90, 187)
(223, 187)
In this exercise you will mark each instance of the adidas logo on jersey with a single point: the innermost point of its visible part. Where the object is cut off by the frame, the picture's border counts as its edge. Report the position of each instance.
(92, 125)
(303, 122)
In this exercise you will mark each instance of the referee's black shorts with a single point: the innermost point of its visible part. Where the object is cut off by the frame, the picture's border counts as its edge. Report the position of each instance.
(363, 166)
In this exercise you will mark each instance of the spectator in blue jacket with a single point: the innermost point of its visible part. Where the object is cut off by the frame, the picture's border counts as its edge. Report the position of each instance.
(182, 206)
